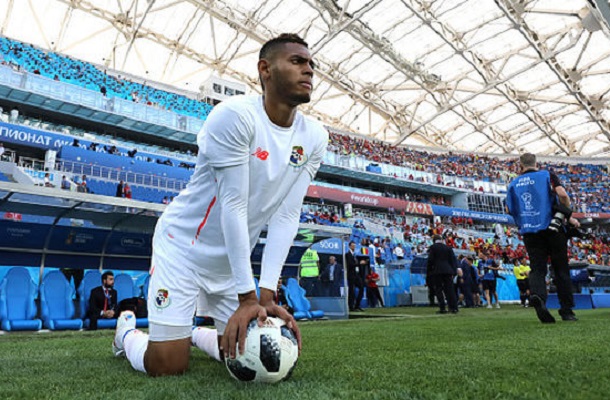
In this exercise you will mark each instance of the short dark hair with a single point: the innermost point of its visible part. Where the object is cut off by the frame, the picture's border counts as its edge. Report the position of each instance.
(106, 275)
(528, 160)
(436, 238)
(271, 45)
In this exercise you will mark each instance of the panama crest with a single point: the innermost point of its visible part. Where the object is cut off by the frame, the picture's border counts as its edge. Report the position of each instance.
(298, 157)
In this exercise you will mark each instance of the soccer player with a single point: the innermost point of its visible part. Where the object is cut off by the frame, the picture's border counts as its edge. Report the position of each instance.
(257, 157)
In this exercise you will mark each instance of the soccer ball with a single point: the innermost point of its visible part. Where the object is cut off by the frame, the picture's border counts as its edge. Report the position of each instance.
(270, 353)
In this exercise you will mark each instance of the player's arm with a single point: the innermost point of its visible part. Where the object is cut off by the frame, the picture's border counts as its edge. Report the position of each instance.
(225, 143)
(281, 231)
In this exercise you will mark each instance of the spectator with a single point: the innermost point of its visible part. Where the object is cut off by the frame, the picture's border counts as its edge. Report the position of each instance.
(441, 268)
(332, 278)
(65, 183)
(120, 189)
(127, 190)
(82, 187)
(103, 301)
(47, 180)
(1, 151)
(372, 289)
(355, 270)
(14, 115)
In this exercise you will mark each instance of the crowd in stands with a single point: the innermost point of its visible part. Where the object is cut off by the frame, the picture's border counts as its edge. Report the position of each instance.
(114, 150)
(66, 69)
(501, 243)
(471, 166)
(589, 184)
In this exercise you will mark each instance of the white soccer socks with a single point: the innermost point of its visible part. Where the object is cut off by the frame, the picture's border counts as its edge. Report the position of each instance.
(135, 343)
(206, 339)
(129, 341)
(125, 323)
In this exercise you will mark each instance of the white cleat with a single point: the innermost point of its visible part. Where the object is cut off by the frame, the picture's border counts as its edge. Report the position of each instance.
(497, 305)
(125, 323)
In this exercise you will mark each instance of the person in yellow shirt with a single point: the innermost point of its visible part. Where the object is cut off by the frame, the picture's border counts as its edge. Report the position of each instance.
(522, 272)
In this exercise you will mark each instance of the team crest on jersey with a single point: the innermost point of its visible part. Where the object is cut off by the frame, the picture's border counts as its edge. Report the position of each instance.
(298, 158)
(162, 299)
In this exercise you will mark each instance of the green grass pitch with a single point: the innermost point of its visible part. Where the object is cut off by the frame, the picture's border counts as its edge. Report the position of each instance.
(403, 353)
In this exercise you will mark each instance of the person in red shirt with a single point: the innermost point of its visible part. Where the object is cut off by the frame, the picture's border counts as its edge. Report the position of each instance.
(372, 290)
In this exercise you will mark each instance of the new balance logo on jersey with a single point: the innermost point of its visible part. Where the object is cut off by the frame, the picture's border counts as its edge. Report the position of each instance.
(261, 154)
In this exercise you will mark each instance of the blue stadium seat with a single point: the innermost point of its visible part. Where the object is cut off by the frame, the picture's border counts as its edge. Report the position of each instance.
(295, 295)
(17, 307)
(57, 308)
(126, 289)
(92, 279)
(124, 286)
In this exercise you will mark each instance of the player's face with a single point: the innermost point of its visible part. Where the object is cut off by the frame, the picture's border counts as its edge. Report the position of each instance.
(292, 73)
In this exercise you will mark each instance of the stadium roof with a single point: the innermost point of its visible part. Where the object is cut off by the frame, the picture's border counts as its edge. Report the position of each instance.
(496, 76)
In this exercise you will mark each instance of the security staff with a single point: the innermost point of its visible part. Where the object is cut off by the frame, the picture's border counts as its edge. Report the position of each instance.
(533, 200)
(310, 270)
(522, 271)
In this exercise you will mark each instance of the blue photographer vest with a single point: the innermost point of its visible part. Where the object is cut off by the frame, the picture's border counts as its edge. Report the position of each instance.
(530, 201)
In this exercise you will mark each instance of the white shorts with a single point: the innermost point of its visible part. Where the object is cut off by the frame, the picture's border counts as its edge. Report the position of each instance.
(178, 289)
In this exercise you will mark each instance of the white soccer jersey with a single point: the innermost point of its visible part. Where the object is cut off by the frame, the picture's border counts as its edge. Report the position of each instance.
(238, 132)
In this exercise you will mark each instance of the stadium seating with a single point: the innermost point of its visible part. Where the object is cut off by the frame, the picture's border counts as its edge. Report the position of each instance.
(295, 295)
(17, 307)
(126, 289)
(57, 308)
(123, 284)
(76, 72)
(92, 279)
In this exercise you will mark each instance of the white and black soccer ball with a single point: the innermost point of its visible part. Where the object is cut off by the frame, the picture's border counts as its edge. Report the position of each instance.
(270, 355)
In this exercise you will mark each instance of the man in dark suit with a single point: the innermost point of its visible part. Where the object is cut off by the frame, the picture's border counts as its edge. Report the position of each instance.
(354, 278)
(331, 278)
(103, 301)
(442, 267)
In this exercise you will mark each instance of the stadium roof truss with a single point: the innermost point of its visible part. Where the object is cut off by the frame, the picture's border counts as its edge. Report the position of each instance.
(497, 76)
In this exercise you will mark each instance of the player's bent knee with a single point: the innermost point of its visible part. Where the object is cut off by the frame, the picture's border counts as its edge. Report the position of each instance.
(167, 358)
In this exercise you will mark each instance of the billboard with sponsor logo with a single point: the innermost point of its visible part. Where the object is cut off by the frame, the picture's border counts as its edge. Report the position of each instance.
(341, 196)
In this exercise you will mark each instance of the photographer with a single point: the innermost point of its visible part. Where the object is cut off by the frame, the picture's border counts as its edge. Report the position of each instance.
(540, 207)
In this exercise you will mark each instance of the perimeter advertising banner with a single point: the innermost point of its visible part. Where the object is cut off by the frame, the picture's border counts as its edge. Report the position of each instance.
(482, 216)
(341, 196)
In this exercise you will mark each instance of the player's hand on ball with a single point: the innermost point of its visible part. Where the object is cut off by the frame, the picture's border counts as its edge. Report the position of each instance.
(237, 326)
(267, 301)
